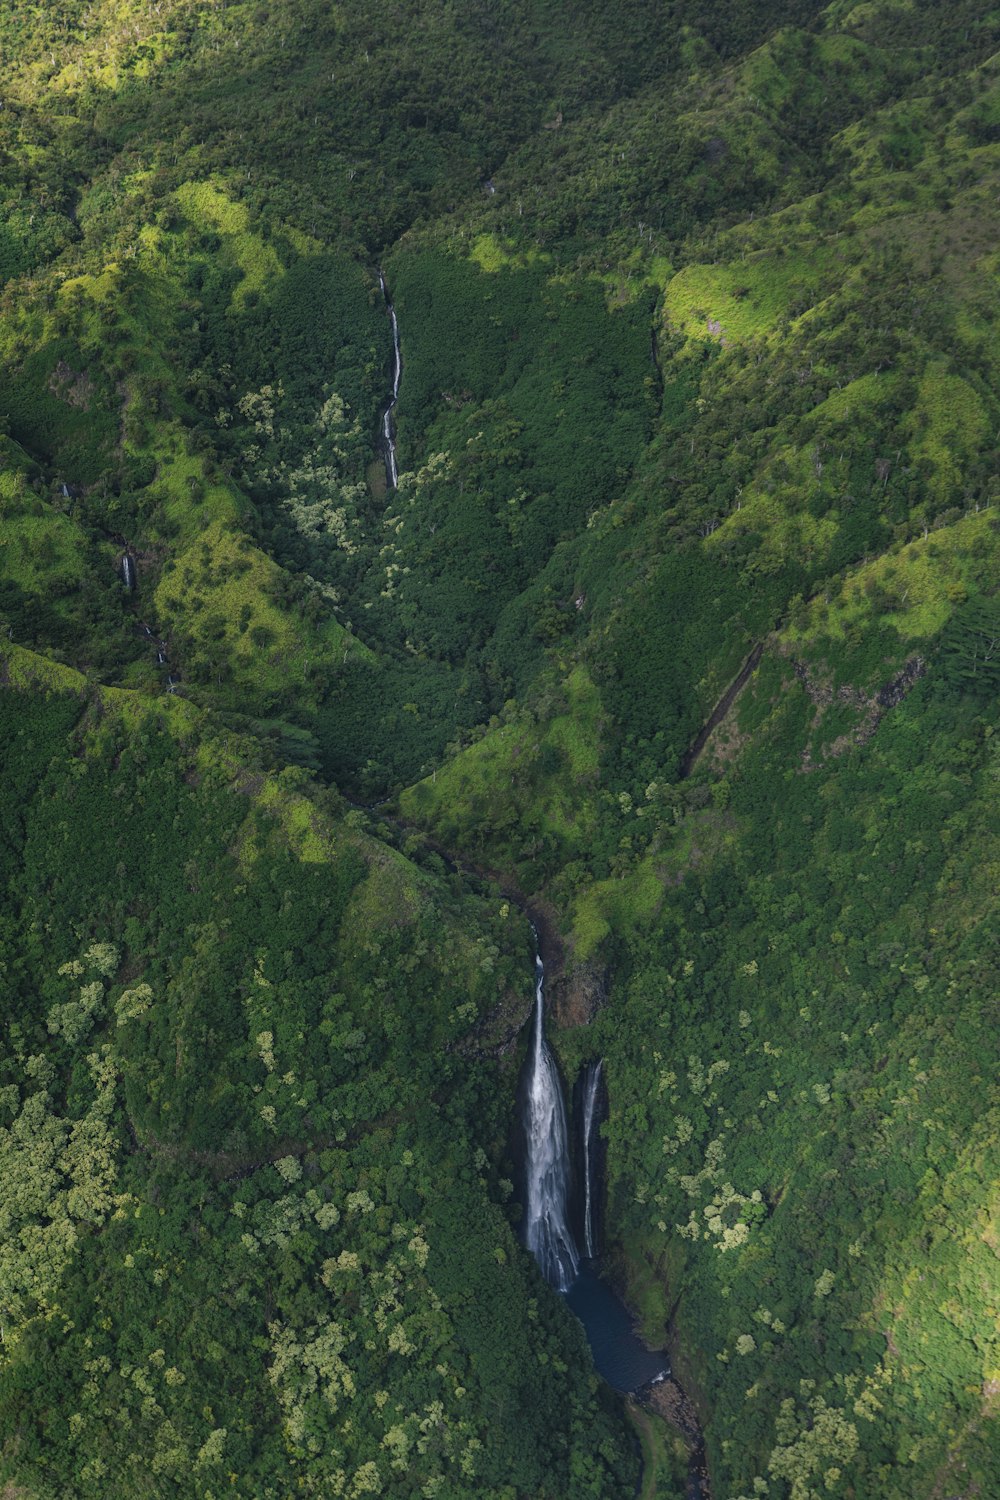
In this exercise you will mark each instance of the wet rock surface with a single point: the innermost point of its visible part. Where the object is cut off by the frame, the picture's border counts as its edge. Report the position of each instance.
(667, 1399)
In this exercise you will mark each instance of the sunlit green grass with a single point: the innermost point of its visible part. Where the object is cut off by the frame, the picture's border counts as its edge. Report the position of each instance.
(735, 302)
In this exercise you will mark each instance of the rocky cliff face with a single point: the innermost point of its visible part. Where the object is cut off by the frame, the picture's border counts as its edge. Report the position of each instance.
(577, 994)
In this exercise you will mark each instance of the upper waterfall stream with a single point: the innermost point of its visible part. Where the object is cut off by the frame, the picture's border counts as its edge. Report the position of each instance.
(591, 1084)
(388, 421)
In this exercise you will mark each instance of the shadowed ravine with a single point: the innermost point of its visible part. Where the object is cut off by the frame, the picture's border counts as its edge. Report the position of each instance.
(721, 709)
(619, 1354)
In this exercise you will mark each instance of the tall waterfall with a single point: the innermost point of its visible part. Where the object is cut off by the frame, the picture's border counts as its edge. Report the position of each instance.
(591, 1084)
(388, 425)
(620, 1355)
(547, 1232)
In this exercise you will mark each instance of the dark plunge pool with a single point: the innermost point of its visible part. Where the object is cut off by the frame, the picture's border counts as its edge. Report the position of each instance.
(619, 1354)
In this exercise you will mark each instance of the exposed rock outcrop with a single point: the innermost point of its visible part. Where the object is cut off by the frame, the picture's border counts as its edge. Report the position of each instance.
(872, 706)
(577, 994)
(497, 1033)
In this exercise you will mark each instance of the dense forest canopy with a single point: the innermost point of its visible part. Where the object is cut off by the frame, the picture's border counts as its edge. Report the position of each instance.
(680, 630)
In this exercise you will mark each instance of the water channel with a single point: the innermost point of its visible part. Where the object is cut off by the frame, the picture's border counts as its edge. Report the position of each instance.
(388, 419)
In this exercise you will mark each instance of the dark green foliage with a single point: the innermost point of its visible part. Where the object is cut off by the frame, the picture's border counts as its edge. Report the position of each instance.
(252, 1012)
(697, 306)
(683, 618)
(28, 239)
(804, 966)
(390, 726)
(970, 650)
(58, 411)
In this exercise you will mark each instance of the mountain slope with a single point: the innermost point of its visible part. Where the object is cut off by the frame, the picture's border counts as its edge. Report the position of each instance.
(682, 620)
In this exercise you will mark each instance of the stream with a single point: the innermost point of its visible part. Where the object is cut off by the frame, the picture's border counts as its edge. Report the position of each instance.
(590, 1080)
(388, 420)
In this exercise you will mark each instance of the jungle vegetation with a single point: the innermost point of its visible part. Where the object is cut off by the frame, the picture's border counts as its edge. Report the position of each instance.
(697, 306)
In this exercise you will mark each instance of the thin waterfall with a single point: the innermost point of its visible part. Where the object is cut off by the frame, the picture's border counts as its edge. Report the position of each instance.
(591, 1086)
(388, 424)
(547, 1232)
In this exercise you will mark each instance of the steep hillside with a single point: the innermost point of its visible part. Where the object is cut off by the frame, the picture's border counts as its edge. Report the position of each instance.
(253, 1229)
(682, 621)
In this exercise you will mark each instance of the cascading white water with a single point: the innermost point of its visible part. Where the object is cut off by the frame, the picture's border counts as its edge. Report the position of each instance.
(388, 426)
(619, 1353)
(547, 1232)
(591, 1083)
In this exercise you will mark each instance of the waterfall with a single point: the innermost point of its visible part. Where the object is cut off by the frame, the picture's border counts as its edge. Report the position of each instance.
(547, 1232)
(388, 425)
(619, 1354)
(128, 571)
(591, 1085)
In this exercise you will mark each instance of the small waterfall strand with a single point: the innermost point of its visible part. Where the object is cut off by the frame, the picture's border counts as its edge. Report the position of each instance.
(388, 424)
(547, 1232)
(591, 1084)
